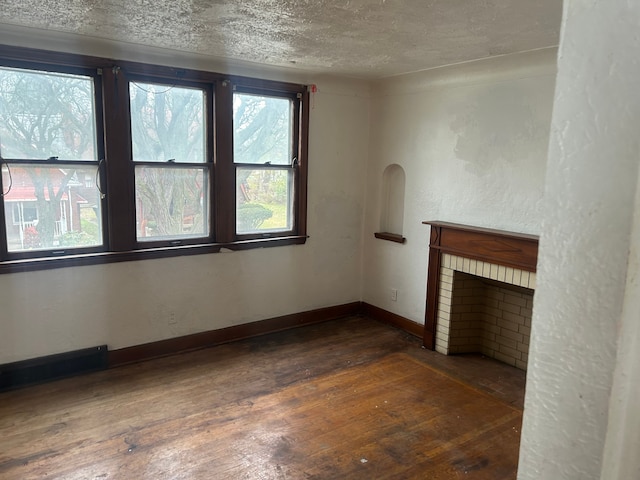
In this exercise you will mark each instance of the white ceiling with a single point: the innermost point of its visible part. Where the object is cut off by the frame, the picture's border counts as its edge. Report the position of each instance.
(357, 38)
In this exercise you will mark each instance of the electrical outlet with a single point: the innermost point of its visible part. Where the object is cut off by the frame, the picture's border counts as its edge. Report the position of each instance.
(394, 295)
(172, 318)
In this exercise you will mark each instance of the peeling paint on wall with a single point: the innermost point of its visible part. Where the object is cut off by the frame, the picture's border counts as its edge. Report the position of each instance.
(474, 148)
(503, 125)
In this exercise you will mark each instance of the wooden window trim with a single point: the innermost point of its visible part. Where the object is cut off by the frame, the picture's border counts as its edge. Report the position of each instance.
(113, 122)
(298, 102)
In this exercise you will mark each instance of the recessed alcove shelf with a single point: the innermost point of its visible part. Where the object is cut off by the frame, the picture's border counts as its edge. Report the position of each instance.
(392, 204)
(392, 237)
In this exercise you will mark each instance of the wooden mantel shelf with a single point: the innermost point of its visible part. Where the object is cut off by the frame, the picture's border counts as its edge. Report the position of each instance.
(510, 249)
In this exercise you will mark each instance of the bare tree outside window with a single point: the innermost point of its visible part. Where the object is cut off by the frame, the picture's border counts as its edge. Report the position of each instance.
(49, 117)
(167, 127)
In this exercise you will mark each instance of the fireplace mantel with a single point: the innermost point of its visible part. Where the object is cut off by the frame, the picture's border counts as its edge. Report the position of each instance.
(509, 249)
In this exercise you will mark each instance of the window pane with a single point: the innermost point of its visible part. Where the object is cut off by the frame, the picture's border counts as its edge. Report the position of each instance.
(46, 115)
(167, 123)
(263, 200)
(171, 203)
(51, 207)
(262, 129)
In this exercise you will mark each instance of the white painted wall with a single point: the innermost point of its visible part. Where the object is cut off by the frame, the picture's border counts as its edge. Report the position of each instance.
(472, 140)
(130, 303)
(621, 460)
(592, 176)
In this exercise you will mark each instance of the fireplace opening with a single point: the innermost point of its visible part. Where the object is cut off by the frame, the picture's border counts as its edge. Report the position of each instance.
(480, 288)
(489, 317)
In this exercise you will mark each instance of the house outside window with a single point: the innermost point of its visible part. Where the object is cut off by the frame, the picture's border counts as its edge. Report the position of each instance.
(47, 141)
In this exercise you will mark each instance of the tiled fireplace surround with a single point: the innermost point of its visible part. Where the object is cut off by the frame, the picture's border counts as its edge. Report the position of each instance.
(480, 292)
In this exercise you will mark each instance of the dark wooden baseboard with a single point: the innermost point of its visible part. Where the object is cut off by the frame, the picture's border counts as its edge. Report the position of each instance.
(195, 341)
(52, 367)
(392, 319)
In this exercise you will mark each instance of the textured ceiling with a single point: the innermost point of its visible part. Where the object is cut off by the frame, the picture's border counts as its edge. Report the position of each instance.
(358, 38)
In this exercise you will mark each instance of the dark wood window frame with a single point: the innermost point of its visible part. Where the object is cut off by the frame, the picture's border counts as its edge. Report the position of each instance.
(116, 173)
(294, 167)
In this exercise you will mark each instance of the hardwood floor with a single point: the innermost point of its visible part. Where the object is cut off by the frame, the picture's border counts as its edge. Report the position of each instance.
(346, 399)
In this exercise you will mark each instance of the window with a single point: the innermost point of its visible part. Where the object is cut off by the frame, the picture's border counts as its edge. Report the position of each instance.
(170, 156)
(104, 162)
(48, 143)
(265, 157)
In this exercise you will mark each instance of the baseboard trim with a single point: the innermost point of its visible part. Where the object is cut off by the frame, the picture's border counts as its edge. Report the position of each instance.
(209, 338)
(52, 367)
(392, 319)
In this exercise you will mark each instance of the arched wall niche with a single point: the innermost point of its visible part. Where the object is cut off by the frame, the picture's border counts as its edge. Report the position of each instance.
(392, 204)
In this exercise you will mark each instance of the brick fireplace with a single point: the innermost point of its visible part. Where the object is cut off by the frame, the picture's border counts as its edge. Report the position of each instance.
(480, 288)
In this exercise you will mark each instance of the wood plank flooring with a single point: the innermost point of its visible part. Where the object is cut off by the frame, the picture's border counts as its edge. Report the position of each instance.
(346, 399)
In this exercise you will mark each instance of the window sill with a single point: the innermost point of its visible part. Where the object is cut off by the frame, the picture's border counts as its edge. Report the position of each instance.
(29, 265)
(392, 237)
